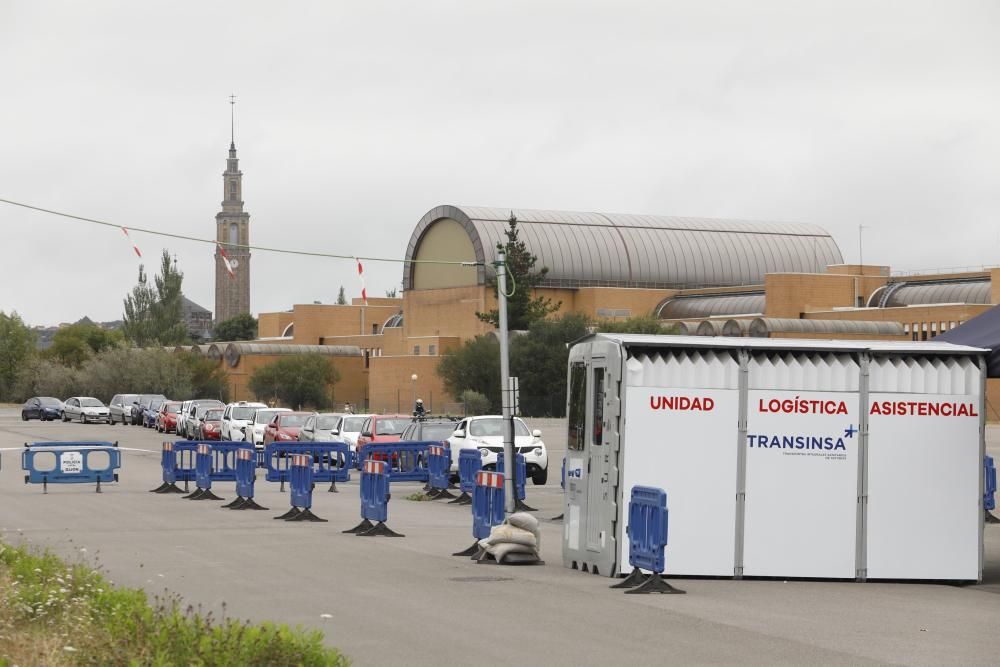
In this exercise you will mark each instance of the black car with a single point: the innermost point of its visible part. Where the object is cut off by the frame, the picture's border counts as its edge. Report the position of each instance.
(45, 408)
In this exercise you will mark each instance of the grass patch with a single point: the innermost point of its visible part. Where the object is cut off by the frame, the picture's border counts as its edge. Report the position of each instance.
(419, 497)
(55, 614)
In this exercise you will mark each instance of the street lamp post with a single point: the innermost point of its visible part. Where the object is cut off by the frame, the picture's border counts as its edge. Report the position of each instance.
(413, 384)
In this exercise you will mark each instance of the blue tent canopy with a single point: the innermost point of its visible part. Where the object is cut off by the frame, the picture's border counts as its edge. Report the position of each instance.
(981, 331)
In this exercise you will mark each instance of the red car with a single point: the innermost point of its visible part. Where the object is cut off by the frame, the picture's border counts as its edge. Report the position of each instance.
(166, 418)
(381, 428)
(284, 427)
(210, 426)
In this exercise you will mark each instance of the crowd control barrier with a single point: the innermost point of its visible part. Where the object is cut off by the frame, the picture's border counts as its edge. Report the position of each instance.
(520, 480)
(407, 461)
(375, 496)
(647, 538)
(177, 460)
(989, 490)
(300, 482)
(246, 476)
(487, 509)
(71, 463)
(331, 461)
(214, 462)
(439, 471)
(470, 462)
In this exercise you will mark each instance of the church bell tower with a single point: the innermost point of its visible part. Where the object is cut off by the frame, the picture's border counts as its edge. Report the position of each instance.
(232, 226)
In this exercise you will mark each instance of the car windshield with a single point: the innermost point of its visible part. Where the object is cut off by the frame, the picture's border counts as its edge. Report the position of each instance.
(208, 401)
(390, 426)
(213, 415)
(326, 423)
(353, 424)
(49, 402)
(292, 420)
(437, 431)
(172, 408)
(242, 413)
(264, 416)
(492, 426)
(128, 399)
(90, 403)
(155, 405)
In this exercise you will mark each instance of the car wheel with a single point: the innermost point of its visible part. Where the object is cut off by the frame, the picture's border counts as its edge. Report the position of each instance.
(64, 417)
(24, 416)
(540, 477)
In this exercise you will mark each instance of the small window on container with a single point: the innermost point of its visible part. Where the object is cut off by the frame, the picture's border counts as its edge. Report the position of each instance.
(416, 350)
(577, 406)
(432, 350)
(597, 431)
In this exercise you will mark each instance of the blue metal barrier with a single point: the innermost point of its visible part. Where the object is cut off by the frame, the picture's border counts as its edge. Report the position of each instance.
(71, 463)
(214, 462)
(470, 462)
(439, 471)
(989, 489)
(300, 482)
(487, 509)
(407, 461)
(246, 476)
(520, 480)
(647, 539)
(375, 480)
(168, 466)
(331, 461)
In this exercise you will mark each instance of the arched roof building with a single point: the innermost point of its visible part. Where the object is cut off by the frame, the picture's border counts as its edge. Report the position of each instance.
(613, 250)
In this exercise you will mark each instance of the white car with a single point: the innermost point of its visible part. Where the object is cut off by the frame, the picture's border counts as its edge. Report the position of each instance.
(320, 428)
(237, 417)
(86, 409)
(261, 418)
(485, 434)
(350, 428)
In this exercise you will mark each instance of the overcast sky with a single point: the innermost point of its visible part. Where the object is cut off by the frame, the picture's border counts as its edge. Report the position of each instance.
(355, 118)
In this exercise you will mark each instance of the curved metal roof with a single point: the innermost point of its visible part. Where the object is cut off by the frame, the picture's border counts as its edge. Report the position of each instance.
(686, 307)
(709, 328)
(899, 294)
(762, 327)
(648, 251)
(736, 328)
(235, 350)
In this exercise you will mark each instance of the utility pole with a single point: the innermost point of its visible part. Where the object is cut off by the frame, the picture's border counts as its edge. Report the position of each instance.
(861, 254)
(506, 397)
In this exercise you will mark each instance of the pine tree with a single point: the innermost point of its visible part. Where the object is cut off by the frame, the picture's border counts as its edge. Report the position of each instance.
(137, 324)
(522, 279)
(341, 297)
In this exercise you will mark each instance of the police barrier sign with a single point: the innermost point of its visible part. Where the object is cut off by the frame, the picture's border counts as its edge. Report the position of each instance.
(801, 483)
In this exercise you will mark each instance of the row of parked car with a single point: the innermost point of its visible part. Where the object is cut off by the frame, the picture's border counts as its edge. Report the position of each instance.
(260, 424)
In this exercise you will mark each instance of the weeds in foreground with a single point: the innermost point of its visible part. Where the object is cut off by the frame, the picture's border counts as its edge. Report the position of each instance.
(52, 613)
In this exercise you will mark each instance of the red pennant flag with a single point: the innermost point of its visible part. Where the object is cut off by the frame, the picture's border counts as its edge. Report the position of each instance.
(134, 246)
(361, 277)
(225, 260)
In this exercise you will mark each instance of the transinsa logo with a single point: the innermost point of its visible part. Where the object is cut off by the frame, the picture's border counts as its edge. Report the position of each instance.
(805, 444)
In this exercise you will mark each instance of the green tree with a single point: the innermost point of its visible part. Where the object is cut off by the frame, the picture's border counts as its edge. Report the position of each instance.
(46, 377)
(138, 325)
(208, 377)
(539, 360)
(642, 324)
(17, 347)
(341, 297)
(168, 312)
(298, 380)
(240, 327)
(522, 307)
(391, 293)
(74, 344)
(476, 366)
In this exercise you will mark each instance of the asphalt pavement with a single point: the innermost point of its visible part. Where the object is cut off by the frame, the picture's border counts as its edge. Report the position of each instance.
(408, 601)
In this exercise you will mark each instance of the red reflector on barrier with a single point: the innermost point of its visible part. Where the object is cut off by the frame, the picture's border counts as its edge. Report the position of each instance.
(373, 467)
(301, 460)
(168, 446)
(435, 450)
(203, 449)
(490, 479)
(244, 454)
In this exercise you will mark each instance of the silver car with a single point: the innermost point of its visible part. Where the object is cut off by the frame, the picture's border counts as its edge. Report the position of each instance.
(86, 409)
(120, 408)
(320, 428)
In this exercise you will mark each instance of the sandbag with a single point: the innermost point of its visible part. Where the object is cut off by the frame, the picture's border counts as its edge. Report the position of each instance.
(499, 551)
(525, 521)
(508, 534)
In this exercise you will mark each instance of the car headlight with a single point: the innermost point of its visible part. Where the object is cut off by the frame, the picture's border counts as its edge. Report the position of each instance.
(484, 452)
(537, 451)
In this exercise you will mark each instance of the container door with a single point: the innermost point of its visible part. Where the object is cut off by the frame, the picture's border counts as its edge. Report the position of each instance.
(597, 458)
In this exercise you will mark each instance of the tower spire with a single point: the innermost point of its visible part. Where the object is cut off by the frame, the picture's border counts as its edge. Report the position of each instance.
(232, 121)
